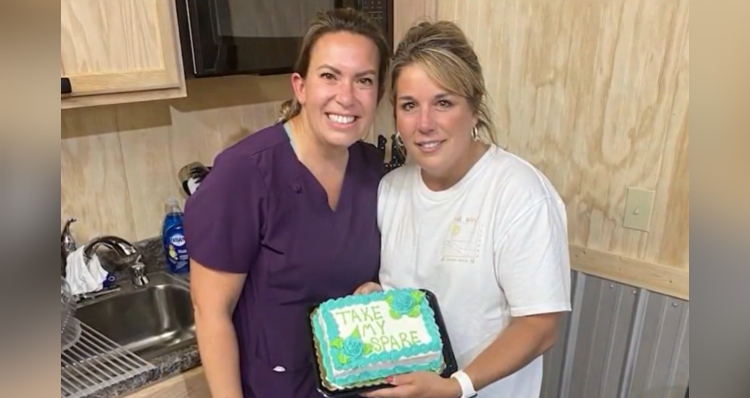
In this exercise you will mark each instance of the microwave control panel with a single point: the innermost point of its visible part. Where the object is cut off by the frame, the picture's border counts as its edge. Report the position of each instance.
(375, 9)
(380, 11)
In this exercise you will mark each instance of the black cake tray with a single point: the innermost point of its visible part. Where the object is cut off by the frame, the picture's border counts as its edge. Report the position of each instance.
(450, 359)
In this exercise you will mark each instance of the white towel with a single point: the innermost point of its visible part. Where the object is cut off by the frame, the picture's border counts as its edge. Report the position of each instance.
(84, 277)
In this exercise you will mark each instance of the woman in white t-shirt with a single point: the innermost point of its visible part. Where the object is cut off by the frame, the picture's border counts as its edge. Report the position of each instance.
(481, 228)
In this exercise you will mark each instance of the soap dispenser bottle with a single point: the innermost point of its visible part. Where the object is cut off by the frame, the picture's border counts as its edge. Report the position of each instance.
(173, 239)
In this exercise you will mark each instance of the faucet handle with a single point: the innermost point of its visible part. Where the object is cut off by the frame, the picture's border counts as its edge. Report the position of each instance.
(67, 245)
(67, 240)
(139, 274)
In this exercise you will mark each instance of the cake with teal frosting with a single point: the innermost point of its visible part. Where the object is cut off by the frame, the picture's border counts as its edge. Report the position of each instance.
(360, 340)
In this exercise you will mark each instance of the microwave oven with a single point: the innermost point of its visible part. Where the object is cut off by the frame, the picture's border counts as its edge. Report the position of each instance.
(259, 37)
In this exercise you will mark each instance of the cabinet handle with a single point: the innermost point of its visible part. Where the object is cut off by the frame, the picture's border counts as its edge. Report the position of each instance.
(65, 85)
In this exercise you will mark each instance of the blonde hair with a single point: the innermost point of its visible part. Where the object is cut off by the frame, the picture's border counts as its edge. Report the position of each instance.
(333, 21)
(447, 56)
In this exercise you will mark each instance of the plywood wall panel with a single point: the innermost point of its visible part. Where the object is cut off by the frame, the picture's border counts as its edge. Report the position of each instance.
(94, 187)
(250, 118)
(119, 164)
(670, 245)
(145, 133)
(407, 12)
(595, 94)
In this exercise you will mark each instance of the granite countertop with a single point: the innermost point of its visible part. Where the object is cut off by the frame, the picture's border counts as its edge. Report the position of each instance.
(166, 365)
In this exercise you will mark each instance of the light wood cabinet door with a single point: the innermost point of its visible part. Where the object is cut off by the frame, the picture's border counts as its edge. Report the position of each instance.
(116, 51)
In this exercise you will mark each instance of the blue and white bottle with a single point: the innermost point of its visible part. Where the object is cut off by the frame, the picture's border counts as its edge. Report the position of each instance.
(173, 238)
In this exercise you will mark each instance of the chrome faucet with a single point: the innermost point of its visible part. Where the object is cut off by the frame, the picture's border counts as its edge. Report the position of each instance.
(126, 251)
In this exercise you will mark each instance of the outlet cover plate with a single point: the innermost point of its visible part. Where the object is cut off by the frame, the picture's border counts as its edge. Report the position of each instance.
(638, 208)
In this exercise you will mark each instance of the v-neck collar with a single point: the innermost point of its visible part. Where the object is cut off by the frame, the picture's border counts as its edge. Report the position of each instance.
(305, 177)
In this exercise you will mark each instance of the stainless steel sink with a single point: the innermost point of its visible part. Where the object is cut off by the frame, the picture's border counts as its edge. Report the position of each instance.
(150, 321)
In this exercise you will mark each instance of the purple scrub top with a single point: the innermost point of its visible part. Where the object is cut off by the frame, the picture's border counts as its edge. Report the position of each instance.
(261, 212)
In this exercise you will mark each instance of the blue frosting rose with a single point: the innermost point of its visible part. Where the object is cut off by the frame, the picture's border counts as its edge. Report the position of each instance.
(402, 302)
(353, 347)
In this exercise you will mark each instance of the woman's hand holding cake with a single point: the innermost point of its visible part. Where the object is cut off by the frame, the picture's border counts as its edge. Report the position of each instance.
(368, 287)
(418, 385)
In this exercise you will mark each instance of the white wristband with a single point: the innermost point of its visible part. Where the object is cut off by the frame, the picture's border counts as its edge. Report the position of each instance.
(467, 387)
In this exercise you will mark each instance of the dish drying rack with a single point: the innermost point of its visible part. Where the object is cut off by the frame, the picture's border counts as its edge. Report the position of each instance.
(89, 361)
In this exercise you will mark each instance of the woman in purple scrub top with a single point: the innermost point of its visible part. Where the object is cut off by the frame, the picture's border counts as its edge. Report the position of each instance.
(287, 217)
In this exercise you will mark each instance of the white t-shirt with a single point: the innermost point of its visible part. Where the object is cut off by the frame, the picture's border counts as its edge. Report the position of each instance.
(491, 247)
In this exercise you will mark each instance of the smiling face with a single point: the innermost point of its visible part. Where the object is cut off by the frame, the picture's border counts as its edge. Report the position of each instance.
(435, 125)
(339, 95)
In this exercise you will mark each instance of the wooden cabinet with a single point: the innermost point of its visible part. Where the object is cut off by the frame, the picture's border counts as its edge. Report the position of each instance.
(117, 51)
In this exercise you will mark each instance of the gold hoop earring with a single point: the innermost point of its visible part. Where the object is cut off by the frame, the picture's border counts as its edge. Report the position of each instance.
(475, 133)
(399, 141)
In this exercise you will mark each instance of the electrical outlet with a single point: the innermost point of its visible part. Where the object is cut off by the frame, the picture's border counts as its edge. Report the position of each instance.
(638, 208)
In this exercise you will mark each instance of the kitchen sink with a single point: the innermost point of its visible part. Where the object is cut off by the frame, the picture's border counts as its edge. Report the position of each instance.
(150, 320)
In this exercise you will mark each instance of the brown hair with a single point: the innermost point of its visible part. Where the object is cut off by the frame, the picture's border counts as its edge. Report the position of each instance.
(333, 21)
(447, 56)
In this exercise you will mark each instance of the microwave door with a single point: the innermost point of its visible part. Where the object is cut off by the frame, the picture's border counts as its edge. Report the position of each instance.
(266, 19)
(260, 37)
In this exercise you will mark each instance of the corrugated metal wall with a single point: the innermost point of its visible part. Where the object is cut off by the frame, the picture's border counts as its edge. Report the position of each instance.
(619, 342)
